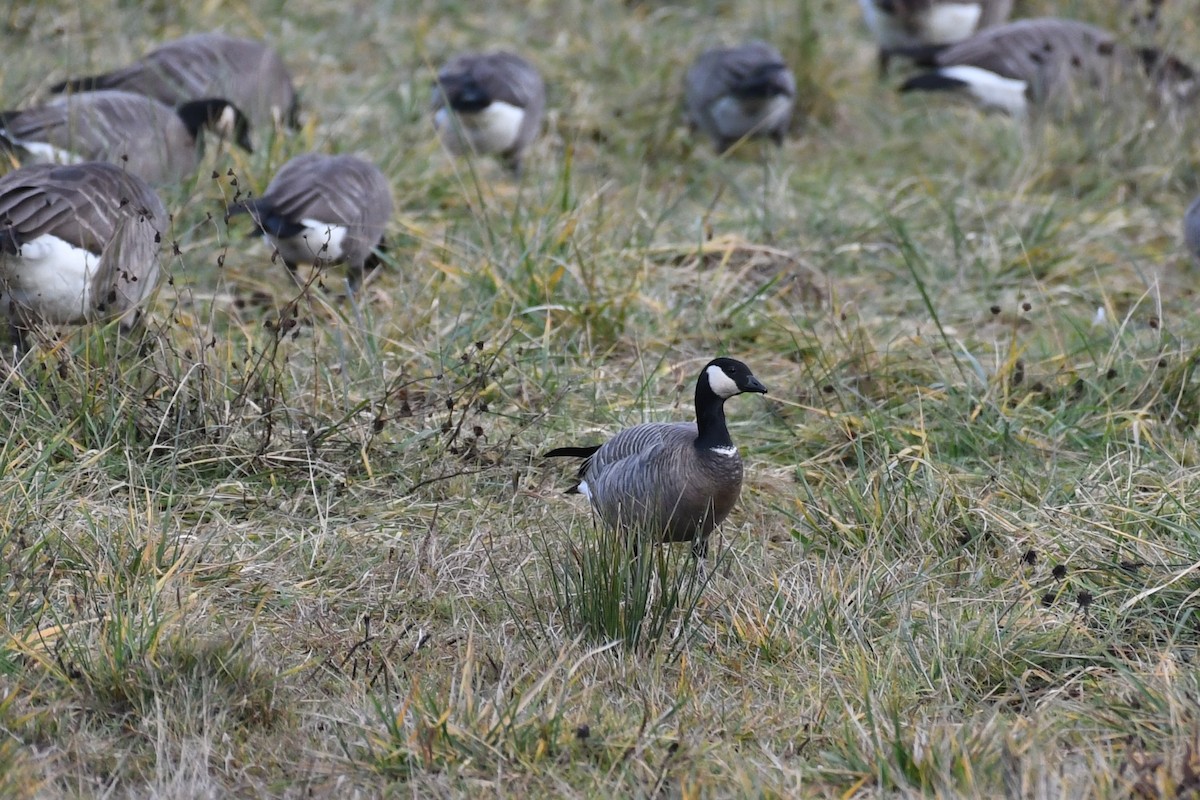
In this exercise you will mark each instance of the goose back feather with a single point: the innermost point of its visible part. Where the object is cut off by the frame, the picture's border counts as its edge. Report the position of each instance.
(247, 72)
(328, 208)
(153, 141)
(740, 91)
(1037, 62)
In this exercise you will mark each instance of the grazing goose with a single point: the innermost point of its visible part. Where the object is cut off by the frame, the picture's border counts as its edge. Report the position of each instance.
(327, 209)
(78, 243)
(248, 72)
(735, 92)
(677, 480)
(157, 143)
(1036, 62)
(919, 28)
(1191, 229)
(489, 103)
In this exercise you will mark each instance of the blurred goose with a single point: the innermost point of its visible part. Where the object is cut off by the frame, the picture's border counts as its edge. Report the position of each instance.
(157, 143)
(1035, 62)
(78, 243)
(735, 92)
(489, 103)
(248, 72)
(675, 480)
(919, 28)
(327, 209)
(1191, 229)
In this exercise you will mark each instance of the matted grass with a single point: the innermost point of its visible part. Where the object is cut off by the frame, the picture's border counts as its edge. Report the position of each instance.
(289, 544)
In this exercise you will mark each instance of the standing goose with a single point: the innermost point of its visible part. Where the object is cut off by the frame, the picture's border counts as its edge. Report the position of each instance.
(1037, 62)
(918, 29)
(157, 143)
(489, 103)
(246, 71)
(1191, 229)
(735, 92)
(78, 243)
(677, 480)
(327, 209)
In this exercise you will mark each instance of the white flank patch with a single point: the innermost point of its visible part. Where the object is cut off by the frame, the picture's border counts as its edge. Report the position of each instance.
(585, 490)
(51, 278)
(321, 240)
(735, 119)
(492, 130)
(947, 23)
(724, 451)
(43, 153)
(720, 383)
(991, 90)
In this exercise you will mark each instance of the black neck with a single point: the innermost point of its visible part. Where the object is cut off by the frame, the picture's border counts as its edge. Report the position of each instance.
(710, 418)
(200, 114)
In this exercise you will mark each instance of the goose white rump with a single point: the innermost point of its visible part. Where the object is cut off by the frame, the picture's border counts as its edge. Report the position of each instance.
(50, 275)
(493, 130)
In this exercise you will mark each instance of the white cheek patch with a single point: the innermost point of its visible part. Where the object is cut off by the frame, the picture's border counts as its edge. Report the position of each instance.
(990, 89)
(50, 277)
(721, 384)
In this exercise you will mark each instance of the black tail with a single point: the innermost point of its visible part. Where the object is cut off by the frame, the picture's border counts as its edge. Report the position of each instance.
(571, 452)
(585, 453)
(932, 82)
(90, 83)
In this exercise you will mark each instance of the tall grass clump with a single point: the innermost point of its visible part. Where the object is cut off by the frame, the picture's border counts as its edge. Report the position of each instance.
(611, 586)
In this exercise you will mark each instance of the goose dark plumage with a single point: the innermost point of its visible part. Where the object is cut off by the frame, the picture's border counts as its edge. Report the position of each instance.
(1035, 63)
(156, 142)
(674, 481)
(331, 209)
(248, 72)
(738, 92)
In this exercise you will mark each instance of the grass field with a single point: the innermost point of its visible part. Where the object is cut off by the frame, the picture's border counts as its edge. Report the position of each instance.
(299, 546)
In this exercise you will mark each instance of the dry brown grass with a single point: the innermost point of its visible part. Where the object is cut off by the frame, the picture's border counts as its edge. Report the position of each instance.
(301, 545)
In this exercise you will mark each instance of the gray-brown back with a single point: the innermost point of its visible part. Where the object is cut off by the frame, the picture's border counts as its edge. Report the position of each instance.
(652, 477)
(342, 190)
(247, 72)
(1049, 54)
(141, 133)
